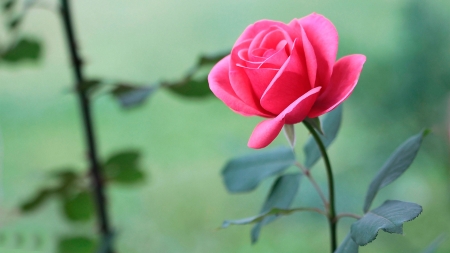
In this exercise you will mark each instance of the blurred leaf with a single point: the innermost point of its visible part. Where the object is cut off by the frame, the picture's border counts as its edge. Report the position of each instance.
(78, 244)
(15, 22)
(25, 49)
(90, 86)
(289, 132)
(280, 196)
(394, 167)
(243, 174)
(435, 244)
(79, 207)
(330, 123)
(8, 5)
(315, 122)
(347, 246)
(131, 96)
(190, 88)
(35, 202)
(212, 58)
(389, 217)
(123, 168)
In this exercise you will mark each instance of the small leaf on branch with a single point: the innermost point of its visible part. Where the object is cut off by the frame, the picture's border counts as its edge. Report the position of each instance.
(79, 207)
(210, 59)
(243, 174)
(131, 95)
(15, 22)
(190, 88)
(330, 124)
(347, 246)
(258, 218)
(24, 49)
(124, 168)
(90, 86)
(37, 201)
(281, 195)
(389, 217)
(394, 167)
(77, 244)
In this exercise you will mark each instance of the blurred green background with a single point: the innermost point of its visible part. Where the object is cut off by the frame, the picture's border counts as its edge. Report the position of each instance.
(403, 88)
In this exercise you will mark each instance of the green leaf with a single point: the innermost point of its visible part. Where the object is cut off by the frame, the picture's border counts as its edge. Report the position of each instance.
(190, 88)
(389, 217)
(212, 58)
(260, 217)
(25, 49)
(281, 195)
(315, 122)
(37, 201)
(435, 244)
(131, 96)
(243, 174)
(79, 207)
(78, 244)
(347, 246)
(90, 86)
(15, 22)
(124, 168)
(394, 167)
(330, 123)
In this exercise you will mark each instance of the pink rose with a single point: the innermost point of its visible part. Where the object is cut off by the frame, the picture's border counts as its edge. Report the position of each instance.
(285, 73)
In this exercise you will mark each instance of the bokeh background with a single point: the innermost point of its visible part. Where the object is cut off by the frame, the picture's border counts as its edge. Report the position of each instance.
(404, 88)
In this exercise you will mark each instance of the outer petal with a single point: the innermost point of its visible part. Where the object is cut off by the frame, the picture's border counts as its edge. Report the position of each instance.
(219, 83)
(345, 76)
(266, 131)
(324, 39)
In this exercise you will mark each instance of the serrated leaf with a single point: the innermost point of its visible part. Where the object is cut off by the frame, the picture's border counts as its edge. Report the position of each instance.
(190, 88)
(347, 246)
(281, 195)
(243, 174)
(79, 207)
(37, 201)
(289, 132)
(124, 168)
(331, 123)
(77, 244)
(24, 49)
(131, 95)
(389, 217)
(394, 167)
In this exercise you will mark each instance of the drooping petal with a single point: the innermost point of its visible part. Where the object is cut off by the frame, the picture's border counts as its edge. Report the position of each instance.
(345, 76)
(265, 132)
(324, 39)
(219, 83)
(290, 83)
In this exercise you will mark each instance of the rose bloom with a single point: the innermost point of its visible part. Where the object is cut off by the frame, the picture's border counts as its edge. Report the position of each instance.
(285, 73)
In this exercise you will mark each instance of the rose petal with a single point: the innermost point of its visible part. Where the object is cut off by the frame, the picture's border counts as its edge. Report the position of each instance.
(219, 84)
(252, 30)
(324, 39)
(310, 59)
(260, 78)
(266, 131)
(290, 82)
(345, 76)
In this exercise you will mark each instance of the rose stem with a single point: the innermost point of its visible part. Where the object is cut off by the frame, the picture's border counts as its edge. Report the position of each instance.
(85, 108)
(331, 211)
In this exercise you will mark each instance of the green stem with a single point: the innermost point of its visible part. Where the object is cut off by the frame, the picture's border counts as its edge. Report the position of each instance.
(331, 210)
